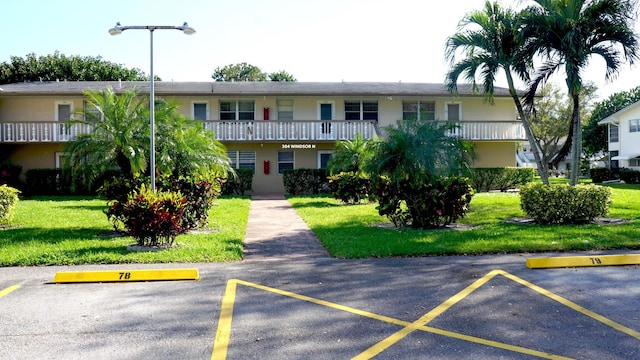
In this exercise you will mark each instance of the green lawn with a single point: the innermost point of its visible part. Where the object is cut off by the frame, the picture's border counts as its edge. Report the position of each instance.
(353, 231)
(73, 230)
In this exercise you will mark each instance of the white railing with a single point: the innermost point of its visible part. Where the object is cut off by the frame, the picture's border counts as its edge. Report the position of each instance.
(491, 130)
(38, 132)
(299, 130)
(266, 130)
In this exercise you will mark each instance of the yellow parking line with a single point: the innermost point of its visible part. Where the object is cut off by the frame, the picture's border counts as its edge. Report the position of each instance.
(574, 306)
(581, 261)
(425, 319)
(9, 290)
(223, 334)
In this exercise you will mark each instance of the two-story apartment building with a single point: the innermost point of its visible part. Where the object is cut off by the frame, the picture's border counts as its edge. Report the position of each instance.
(267, 126)
(624, 137)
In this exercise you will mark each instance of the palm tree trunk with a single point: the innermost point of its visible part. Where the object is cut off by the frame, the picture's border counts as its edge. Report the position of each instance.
(576, 148)
(544, 175)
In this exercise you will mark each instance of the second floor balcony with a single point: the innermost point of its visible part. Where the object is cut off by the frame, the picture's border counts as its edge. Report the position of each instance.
(266, 130)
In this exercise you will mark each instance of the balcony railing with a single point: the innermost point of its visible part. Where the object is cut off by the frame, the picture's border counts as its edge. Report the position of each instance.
(490, 131)
(269, 130)
(301, 130)
(40, 132)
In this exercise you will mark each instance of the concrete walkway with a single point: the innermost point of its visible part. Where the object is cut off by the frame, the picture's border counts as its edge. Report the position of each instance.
(275, 231)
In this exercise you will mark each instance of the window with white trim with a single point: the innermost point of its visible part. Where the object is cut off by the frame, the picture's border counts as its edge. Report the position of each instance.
(419, 110)
(200, 110)
(614, 164)
(613, 133)
(242, 159)
(634, 125)
(90, 112)
(285, 109)
(237, 110)
(361, 110)
(285, 161)
(63, 113)
(635, 162)
(452, 111)
(323, 158)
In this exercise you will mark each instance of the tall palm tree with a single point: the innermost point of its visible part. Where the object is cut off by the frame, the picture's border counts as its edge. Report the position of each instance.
(566, 33)
(118, 139)
(489, 42)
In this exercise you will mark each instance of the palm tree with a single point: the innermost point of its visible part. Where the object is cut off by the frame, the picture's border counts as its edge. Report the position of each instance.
(185, 148)
(489, 41)
(351, 155)
(118, 139)
(566, 33)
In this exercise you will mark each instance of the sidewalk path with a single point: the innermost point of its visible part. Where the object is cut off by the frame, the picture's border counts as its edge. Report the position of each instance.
(275, 231)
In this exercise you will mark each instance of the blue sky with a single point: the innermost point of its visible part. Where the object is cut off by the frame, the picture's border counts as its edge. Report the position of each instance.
(328, 40)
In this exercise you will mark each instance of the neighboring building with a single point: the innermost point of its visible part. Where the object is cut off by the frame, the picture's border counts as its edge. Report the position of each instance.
(267, 126)
(624, 137)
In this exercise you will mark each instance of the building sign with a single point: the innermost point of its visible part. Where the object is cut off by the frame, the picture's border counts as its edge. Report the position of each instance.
(298, 146)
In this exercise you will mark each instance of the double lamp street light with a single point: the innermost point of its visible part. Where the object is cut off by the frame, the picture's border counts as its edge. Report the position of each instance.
(117, 30)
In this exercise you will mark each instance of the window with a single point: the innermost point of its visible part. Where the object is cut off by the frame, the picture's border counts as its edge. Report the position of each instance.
(613, 133)
(63, 113)
(243, 159)
(200, 111)
(90, 112)
(237, 110)
(634, 125)
(285, 109)
(323, 158)
(614, 164)
(452, 111)
(361, 110)
(635, 162)
(285, 161)
(419, 110)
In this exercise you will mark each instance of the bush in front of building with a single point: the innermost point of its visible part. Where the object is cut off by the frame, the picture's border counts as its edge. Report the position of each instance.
(239, 183)
(630, 176)
(8, 201)
(564, 204)
(46, 181)
(10, 174)
(437, 202)
(349, 187)
(503, 179)
(199, 195)
(305, 181)
(599, 174)
(153, 219)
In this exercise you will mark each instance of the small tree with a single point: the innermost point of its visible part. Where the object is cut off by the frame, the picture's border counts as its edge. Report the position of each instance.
(416, 167)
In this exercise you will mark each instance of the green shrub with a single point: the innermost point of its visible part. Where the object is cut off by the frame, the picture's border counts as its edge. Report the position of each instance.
(349, 187)
(153, 219)
(46, 182)
(200, 195)
(487, 179)
(564, 204)
(8, 201)
(433, 204)
(599, 174)
(305, 181)
(630, 176)
(10, 174)
(239, 184)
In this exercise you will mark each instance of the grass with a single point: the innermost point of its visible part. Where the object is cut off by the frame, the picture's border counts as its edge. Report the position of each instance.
(74, 230)
(352, 231)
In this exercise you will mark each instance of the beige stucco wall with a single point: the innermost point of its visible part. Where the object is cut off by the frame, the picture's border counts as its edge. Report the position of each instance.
(272, 182)
(495, 154)
(32, 155)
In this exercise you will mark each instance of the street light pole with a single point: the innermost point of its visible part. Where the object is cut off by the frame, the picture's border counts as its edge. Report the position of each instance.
(117, 30)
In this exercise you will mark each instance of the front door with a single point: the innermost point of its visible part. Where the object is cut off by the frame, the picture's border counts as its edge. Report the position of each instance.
(326, 114)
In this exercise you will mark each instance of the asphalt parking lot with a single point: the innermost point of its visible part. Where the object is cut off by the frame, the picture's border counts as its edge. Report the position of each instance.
(483, 307)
